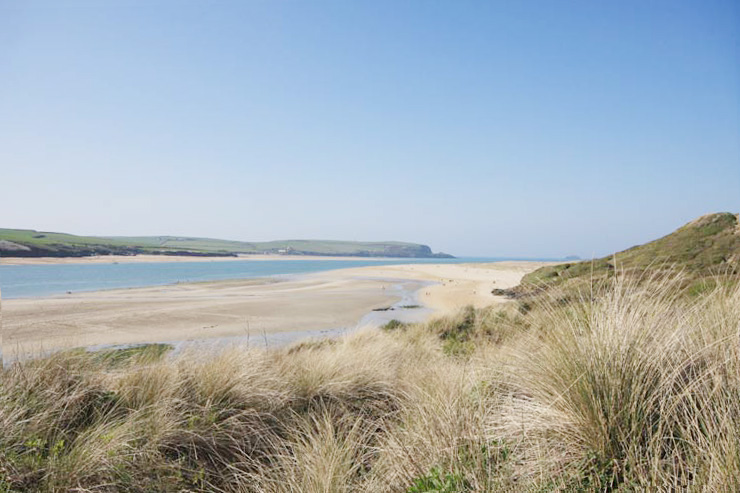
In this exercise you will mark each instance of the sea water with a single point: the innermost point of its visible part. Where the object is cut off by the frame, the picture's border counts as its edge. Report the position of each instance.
(27, 281)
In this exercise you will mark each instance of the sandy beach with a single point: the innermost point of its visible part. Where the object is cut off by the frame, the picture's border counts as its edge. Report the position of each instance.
(191, 311)
(125, 259)
(456, 285)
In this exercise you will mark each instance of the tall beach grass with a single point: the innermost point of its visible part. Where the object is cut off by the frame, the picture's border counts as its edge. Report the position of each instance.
(636, 387)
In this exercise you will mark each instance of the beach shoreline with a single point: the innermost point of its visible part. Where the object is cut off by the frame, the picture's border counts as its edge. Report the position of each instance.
(124, 259)
(303, 303)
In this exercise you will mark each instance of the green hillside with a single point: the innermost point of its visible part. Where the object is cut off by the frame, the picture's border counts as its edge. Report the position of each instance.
(31, 243)
(701, 249)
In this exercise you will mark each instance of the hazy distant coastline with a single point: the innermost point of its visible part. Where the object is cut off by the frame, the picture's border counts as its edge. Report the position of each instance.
(28, 243)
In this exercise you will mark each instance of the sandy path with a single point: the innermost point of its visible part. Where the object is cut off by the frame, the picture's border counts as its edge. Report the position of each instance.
(331, 299)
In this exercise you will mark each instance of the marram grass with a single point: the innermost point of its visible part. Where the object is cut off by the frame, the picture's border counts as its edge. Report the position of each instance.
(635, 389)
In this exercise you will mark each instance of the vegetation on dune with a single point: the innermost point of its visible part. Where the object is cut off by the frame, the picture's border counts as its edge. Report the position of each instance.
(702, 249)
(638, 389)
(30, 243)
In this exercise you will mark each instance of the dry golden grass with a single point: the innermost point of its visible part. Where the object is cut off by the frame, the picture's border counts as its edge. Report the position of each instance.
(635, 389)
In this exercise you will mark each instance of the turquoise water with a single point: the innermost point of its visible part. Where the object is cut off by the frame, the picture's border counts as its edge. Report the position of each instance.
(27, 281)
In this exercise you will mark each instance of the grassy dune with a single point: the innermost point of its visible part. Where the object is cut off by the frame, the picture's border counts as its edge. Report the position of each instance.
(702, 249)
(637, 388)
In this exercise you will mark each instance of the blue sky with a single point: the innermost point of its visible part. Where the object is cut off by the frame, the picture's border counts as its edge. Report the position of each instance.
(515, 128)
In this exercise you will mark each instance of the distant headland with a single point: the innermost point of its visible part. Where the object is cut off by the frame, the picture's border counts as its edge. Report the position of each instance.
(32, 243)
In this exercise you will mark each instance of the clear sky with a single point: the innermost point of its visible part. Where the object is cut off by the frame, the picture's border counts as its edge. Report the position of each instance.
(517, 128)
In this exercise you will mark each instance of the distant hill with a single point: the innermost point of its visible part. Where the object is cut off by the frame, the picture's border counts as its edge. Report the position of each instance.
(705, 247)
(31, 243)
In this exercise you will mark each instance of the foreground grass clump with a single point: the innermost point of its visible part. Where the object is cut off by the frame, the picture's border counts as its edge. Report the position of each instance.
(637, 388)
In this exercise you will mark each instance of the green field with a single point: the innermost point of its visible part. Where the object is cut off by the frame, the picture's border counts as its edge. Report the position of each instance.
(31, 243)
